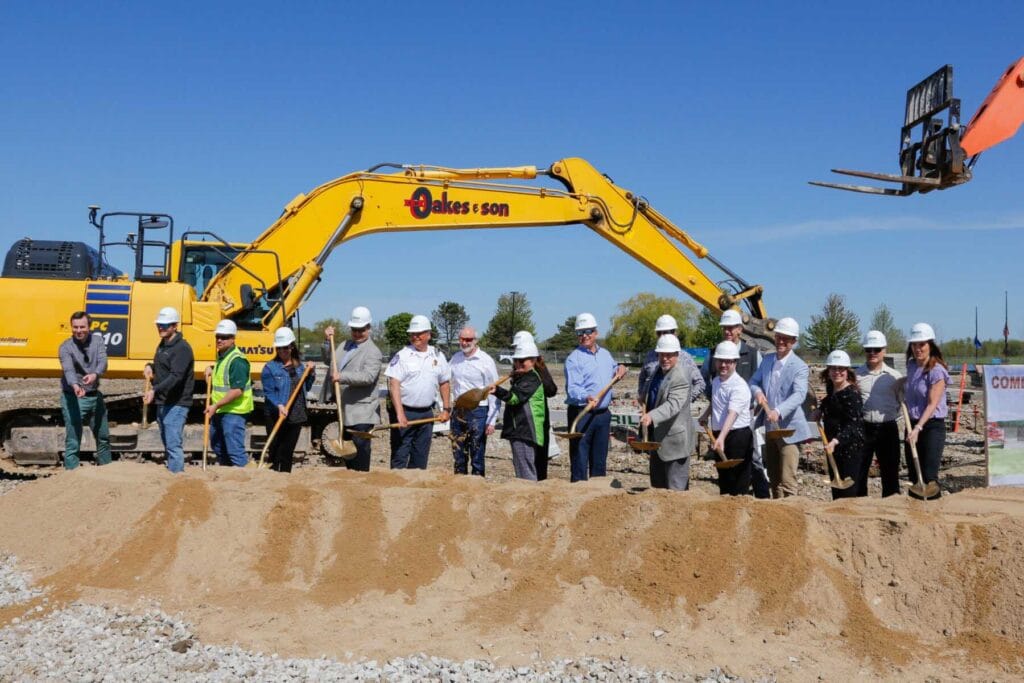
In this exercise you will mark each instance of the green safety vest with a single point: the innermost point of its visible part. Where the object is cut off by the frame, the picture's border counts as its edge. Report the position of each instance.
(243, 404)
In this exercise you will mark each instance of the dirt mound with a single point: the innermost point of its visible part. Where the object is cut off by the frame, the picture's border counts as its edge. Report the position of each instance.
(385, 564)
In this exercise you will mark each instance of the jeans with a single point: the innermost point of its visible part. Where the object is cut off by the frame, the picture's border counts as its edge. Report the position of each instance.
(360, 462)
(882, 440)
(471, 426)
(227, 439)
(77, 412)
(410, 447)
(172, 430)
(588, 455)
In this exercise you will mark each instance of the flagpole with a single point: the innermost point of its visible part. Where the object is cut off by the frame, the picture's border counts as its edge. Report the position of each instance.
(976, 335)
(1006, 325)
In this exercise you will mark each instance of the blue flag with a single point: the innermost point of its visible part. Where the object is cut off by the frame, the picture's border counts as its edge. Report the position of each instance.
(977, 342)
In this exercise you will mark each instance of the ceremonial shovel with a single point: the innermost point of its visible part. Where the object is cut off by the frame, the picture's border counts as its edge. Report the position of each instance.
(644, 444)
(145, 407)
(471, 399)
(340, 447)
(572, 433)
(920, 489)
(206, 421)
(724, 464)
(837, 483)
(393, 425)
(282, 416)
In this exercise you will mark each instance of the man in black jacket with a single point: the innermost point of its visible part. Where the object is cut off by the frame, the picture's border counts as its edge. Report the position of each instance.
(173, 375)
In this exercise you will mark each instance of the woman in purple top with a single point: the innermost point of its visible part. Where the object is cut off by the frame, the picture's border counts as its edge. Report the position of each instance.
(925, 391)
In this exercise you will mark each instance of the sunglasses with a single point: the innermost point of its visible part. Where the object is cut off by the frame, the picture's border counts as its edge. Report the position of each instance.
(467, 339)
(162, 326)
(359, 329)
(222, 337)
(872, 350)
(583, 333)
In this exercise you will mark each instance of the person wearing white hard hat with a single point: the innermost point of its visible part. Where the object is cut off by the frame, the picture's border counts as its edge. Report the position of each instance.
(842, 417)
(881, 389)
(550, 390)
(666, 398)
(731, 324)
(666, 324)
(588, 369)
(415, 375)
(525, 411)
(172, 373)
(279, 378)
(925, 390)
(779, 386)
(729, 413)
(472, 368)
(359, 367)
(230, 398)
(83, 360)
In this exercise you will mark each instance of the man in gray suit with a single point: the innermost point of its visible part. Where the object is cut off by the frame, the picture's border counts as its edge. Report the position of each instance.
(666, 396)
(780, 387)
(359, 365)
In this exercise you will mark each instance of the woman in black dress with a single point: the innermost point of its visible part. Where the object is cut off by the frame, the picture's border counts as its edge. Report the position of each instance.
(843, 420)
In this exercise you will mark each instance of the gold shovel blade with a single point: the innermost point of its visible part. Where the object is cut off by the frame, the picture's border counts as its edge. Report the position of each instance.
(569, 435)
(779, 433)
(841, 485)
(643, 446)
(727, 464)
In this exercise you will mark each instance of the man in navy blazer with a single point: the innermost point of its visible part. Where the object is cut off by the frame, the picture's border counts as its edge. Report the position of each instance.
(779, 386)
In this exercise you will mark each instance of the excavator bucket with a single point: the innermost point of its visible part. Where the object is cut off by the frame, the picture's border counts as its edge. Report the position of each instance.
(1000, 115)
(934, 153)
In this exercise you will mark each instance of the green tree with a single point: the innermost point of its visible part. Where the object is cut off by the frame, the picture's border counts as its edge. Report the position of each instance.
(565, 338)
(633, 325)
(395, 335)
(882, 321)
(449, 318)
(311, 338)
(837, 327)
(708, 332)
(513, 313)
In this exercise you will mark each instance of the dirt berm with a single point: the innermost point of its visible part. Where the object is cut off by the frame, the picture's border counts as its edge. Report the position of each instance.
(387, 564)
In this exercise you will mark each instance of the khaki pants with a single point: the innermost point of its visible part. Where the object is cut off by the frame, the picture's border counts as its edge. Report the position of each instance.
(781, 460)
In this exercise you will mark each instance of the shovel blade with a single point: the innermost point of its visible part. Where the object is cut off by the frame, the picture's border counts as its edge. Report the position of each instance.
(841, 484)
(343, 449)
(645, 445)
(727, 464)
(569, 435)
(779, 433)
(926, 491)
(470, 399)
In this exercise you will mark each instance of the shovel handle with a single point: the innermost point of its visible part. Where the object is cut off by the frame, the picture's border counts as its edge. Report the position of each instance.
(206, 418)
(395, 425)
(913, 446)
(597, 401)
(282, 416)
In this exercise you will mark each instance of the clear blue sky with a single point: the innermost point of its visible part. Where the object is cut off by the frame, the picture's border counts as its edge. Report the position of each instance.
(718, 113)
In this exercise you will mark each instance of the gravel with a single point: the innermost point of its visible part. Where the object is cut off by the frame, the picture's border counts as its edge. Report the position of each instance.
(92, 643)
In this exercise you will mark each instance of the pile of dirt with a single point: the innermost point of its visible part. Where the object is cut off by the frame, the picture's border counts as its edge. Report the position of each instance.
(386, 564)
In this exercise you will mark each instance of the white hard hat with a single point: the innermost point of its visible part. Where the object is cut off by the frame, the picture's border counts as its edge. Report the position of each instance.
(419, 323)
(727, 350)
(520, 337)
(360, 317)
(730, 318)
(168, 315)
(227, 327)
(788, 327)
(838, 359)
(284, 337)
(665, 323)
(874, 340)
(921, 332)
(667, 343)
(527, 349)
(585, 321)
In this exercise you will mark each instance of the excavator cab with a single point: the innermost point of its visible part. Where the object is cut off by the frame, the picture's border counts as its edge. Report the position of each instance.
(936, 153)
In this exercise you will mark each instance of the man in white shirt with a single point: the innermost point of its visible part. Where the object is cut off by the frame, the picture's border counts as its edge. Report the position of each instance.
(880, 388)
(472, 368)
(415, 375)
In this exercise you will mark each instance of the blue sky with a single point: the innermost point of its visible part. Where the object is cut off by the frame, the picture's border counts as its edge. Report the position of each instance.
(718, 113)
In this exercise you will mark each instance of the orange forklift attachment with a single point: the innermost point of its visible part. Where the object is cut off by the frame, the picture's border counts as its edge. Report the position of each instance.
(938, 159)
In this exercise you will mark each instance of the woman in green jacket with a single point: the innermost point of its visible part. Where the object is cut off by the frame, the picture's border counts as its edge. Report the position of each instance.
(525, 412)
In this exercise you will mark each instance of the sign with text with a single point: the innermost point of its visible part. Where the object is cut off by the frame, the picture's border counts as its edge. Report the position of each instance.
(1004, 424)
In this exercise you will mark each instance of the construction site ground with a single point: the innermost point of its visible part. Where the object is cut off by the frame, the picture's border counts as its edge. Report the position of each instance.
(356, 566)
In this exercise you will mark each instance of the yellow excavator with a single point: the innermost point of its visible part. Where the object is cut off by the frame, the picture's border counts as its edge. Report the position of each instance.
(262, 285)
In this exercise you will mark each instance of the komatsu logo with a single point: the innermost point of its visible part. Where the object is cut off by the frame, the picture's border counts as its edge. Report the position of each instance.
(422, 204)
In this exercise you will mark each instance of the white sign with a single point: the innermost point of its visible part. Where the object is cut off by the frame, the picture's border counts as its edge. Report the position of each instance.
(1004, 424)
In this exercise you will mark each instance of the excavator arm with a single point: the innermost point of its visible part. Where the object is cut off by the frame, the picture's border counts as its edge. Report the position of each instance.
(417, 198)
(936, 155)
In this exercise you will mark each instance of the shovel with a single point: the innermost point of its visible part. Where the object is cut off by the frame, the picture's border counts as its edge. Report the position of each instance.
(393, 425)
(572, 433)
(775, 433)
(471, 399)
(644, 444)
(835, 481)
(281, 416)
(340, 447)
(920, 489)
(724, 464)
(206, 421)
(145, 408)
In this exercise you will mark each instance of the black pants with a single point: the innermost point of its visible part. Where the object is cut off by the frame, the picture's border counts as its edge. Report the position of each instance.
(282, 448)
(360, 462)
(849, 459)
(739, 445)
(930, 443)
(882, 441)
